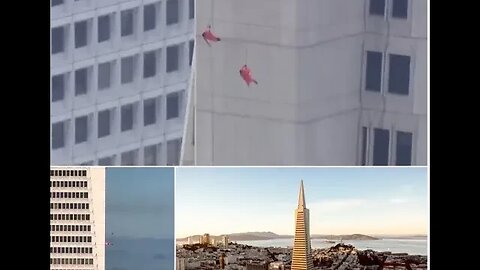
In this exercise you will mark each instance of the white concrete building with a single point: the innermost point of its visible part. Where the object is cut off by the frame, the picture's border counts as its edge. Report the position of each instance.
(341, 82)
(77, 218)
(119, 71)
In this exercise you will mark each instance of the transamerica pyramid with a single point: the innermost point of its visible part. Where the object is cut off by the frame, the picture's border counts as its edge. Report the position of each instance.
(302, 251)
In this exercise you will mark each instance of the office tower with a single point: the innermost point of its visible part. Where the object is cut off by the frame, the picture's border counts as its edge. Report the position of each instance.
(225, 240)
(119, 74)
(339, 83)
(77, 218)
(190, 240)
(302, 251)
(206, 239)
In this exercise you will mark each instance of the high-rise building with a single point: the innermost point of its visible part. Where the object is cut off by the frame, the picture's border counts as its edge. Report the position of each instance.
(302, 250)
(225, 240)
(206, 239)
(339, 83)
(77, 218)
(190, 240)
(119, 73)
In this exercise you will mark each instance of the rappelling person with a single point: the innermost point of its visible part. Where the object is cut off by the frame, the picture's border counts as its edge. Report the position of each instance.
(246, 75)
(209, 36)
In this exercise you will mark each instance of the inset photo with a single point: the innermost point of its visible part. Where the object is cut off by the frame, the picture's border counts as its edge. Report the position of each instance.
(301, 218)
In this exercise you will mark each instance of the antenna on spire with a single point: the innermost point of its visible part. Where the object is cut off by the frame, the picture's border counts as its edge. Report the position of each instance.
(301, 196)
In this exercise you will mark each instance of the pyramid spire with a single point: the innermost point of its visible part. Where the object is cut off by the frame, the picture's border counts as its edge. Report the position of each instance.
(301, 197)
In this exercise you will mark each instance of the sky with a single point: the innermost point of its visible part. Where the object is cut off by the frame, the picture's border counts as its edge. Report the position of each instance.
(362, 200)
(139, 202)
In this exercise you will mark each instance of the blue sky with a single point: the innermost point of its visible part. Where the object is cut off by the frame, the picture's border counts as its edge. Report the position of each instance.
(139, 202)
(341, 200)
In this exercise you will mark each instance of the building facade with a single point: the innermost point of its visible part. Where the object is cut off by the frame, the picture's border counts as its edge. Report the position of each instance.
(119, 71)
(302, 251)
(77, 218)
(339, 83)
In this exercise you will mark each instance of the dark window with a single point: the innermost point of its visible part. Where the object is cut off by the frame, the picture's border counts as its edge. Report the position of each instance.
(364, 145)
(103, 28)
(58, 39)
(400, 9)
(80, 34)
(56, 2)
(374, 71)
(58, 135)
(404, 149)
(399, 74)
(58, 87)
(173, 101)
(380, 147)
(149, 64)
(127, 69)
(127, 117)
(106, 161)
(150, 155)
(81, 129)
(103, 123)
(149, 112)
(173, 151)
(172, 12)
(191, 9)
(126, 22)
(377, 7)
(81, 81)
(191, 46)
(172, 58)
(128, 158)
(104, 73)
(149, 17)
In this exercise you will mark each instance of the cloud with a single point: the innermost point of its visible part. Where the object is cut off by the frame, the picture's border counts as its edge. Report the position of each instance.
(337, 204)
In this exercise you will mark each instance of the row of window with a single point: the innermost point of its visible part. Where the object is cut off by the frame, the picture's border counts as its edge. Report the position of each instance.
(398, 73)
(68, 184)
(69, 205)
(71, 250)
(69, 195)
(78, 261)
(106, 72)
(68, 172)
(70, 239)
(69, 216)
(70, 228)
(399, 8)
(106, 24)
(128, 119)
(381, 147)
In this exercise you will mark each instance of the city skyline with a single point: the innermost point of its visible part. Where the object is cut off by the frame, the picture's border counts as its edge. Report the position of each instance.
(372, 201)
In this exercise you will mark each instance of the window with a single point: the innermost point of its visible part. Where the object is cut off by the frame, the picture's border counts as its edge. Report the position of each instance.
(103, 123)
(129, 158)
(400, 9)
(191, 9)
(127, 117)
(377, 7)
(80, 34)
(58, 40)
(149, 64)
(81, 129)
(172, 12)
(103, 28)
(173, 151)
(104, 75)
(399, 74)
(56, 2)
(127, 69)
(173, 101)
(404, 149)
(149, 17)
(172, 58)
(58, 87)
(149, 112)
(58, 135)
(191, 46)
(106, 161)
(150, 155)
(374, 71)
(380, 147)
(126, 22)
(81, 82)
(364, 145)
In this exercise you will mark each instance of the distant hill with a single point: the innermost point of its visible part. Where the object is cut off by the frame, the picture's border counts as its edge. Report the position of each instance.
(251, 236)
